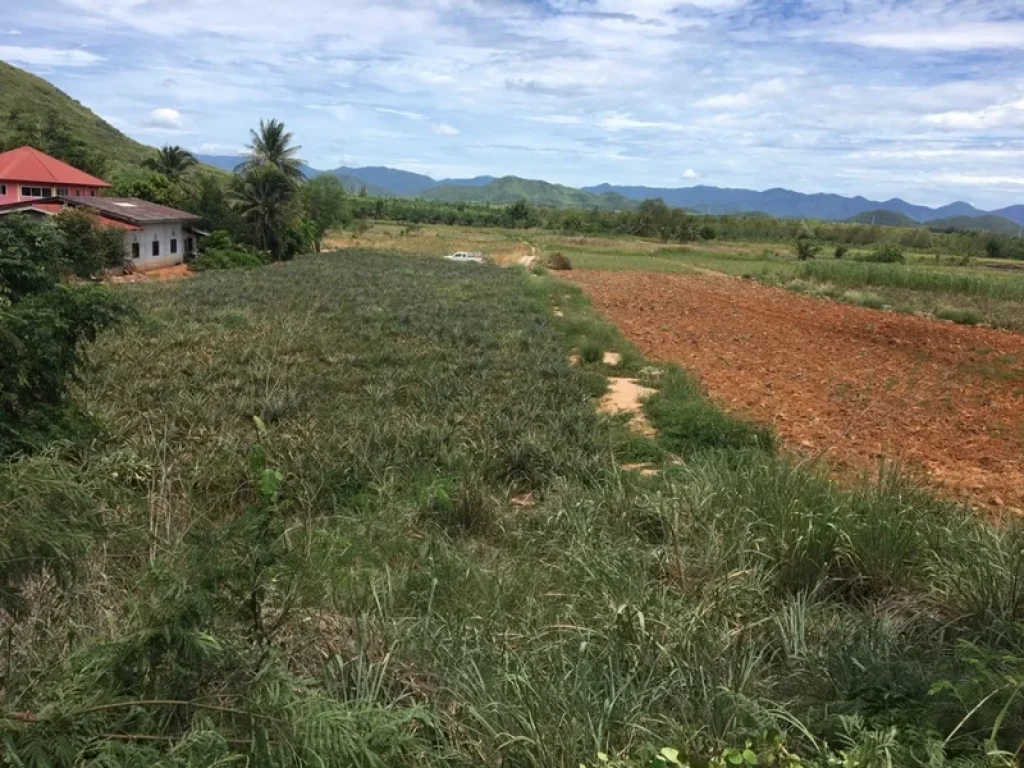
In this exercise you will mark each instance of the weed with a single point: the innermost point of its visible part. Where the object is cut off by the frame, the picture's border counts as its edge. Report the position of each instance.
(959, 315)
(591, 352)
(559, 261)
(863, 299)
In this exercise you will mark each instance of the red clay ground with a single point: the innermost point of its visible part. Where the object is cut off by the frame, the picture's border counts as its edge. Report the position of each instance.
(855, 383)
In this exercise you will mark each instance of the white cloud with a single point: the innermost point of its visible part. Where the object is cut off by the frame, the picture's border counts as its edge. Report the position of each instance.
(14, 32)
(165, 118)
(967, 179)
(443, 129)
(53, 57)
(343, 113)
(996, 116)
(689, 173)
(401, 113)
(618, 121)
(955, 37)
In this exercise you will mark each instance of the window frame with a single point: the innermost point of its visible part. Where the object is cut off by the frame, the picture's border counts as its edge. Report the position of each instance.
(156, 248)
(136, 250)
(63, 191)
(174, 246)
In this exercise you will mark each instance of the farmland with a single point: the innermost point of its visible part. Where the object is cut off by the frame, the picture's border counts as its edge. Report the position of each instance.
(359, 509)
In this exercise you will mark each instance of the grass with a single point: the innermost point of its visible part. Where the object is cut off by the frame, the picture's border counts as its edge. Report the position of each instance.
(917, 278)
(407, 405)
(959, 315)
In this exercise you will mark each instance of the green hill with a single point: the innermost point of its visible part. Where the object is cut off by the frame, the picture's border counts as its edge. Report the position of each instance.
(884, 218)
(32, 111)
(989, 223)
(542, 193)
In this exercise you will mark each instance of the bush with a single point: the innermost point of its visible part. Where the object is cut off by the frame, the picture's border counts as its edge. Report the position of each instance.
(233, 258)
(591, 352)
(805, 248)
(559, 261)
(886, 254)
(841, 250)
(958, 315)
(864, 299)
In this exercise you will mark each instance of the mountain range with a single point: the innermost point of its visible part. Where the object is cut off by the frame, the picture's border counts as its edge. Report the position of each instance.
(783, 203)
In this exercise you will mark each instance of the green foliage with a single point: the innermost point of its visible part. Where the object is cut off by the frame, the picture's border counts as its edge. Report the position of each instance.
(510, 190)
(272, 145)
(34, 112)
(960, 315)
(863, 299)
(688, 423)
(88, 246)
(43, 323)
(806, 248)
(863, 275)
(886, 254)
(263, 198)
(171, 161)
(425, 552)
(324, 202)
(558, 261)
(145, 184)
(841, 250)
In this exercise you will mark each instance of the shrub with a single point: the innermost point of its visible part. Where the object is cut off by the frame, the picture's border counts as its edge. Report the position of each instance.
(885, 254)
(559, 261)
(864, 299)
(841, 250)
(805, 248)
(591, 352)
(232, 258)
(958, 315)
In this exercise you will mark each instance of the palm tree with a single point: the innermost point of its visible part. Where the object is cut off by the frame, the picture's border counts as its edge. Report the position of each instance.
(272, 145)
(172, 162)
(263, 196)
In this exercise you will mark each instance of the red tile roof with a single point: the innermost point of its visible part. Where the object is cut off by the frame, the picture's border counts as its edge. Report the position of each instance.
(30, 165)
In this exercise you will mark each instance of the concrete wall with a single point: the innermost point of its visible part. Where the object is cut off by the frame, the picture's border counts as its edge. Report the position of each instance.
(12, 193)
(163, 234)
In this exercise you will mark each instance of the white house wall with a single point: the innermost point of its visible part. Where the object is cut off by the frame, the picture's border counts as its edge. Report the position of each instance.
(163, 233)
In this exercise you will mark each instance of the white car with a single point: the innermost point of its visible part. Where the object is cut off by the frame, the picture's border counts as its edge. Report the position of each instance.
(465, 258)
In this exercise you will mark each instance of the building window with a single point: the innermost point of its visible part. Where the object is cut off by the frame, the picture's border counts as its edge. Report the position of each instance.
(63, 192)
(92, 193)
(174, 245)
(3, 190)
(188, 245)
(35, 191)
(78, 193)
(135, 250)
(156, 247)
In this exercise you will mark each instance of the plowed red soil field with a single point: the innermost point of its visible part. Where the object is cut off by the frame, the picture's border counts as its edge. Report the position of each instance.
(856, 384)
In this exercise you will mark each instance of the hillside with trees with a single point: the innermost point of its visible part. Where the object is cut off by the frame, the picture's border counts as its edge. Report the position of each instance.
(883, 218)
(511, 189)
(32, 111)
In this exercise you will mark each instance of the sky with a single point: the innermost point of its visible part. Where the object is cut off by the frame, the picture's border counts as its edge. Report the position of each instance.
(920, 99)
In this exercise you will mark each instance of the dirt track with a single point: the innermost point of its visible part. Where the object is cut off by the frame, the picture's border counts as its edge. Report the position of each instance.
(857, 383)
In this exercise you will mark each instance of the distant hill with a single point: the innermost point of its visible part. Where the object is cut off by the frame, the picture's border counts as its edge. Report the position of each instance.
(32, 100)
(476, 181)
(395, 182)
(989, 223)
(884, 218)
(785, 203)
(511, 188)
(1014, 213)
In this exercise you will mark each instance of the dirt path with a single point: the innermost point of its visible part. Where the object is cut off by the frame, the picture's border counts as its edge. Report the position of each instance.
(858, 383)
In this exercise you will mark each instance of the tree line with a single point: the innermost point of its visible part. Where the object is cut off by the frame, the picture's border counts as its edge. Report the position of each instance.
(655, 220)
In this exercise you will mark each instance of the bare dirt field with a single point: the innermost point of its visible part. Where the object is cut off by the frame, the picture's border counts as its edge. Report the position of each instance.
(855, 384)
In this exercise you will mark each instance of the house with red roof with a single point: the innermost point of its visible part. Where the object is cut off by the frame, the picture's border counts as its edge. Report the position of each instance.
(28, 174)
(33, 183)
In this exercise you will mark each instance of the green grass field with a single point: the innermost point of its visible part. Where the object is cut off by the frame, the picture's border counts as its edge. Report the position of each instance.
(358, 509)
(983, 291)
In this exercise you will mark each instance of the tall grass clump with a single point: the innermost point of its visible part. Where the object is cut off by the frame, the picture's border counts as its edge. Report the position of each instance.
(914, 277)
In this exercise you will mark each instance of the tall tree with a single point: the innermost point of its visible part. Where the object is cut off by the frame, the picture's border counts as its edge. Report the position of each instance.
(263, 197)
(171, 161)
(272, 145)
(323, 199)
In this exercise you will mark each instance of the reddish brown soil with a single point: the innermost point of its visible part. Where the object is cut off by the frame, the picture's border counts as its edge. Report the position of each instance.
(855, 384)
